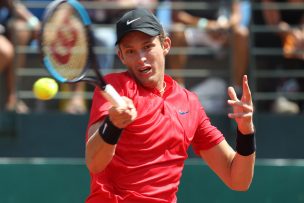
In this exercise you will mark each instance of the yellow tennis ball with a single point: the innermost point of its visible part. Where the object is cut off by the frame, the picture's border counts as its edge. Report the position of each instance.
(45, 88)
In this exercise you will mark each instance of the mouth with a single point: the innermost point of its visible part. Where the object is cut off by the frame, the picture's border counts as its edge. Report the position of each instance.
(145, 70)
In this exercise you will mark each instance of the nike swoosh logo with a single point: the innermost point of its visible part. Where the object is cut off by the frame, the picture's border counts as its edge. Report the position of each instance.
(183, 112)
(131, 21)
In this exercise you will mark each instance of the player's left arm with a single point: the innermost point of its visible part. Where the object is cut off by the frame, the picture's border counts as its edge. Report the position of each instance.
(236, 168)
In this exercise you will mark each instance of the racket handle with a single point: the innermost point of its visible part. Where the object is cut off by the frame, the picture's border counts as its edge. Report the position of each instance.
(112, 96)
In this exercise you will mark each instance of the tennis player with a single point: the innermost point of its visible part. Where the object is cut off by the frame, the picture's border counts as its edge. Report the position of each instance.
(136, 153)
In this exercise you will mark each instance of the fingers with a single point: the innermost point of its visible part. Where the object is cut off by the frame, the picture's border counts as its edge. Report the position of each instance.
(130, 108)
(240, 115)
(246, 107)
(246, 89)
(232, 94)
(123, 116)
(242, 108)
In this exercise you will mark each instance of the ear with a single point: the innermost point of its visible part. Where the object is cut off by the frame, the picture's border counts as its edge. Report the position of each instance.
(120, 55)
(166, 45)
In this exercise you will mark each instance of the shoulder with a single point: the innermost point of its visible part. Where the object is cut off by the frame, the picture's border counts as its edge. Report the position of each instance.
(122, 82)
(191, 96)
(178, 89)
(183, 97)
(114, 76)
(119, 79)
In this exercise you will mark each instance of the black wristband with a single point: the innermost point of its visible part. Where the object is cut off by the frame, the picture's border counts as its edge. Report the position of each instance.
(109, 132)
(245, 144)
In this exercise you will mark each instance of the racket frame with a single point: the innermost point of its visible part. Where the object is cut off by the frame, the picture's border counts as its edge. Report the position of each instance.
(108, 90)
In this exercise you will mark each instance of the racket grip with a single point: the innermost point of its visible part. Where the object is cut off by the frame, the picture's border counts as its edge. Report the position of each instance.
(112, 96)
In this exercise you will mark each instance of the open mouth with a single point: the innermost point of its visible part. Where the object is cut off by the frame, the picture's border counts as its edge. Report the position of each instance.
(146, 69)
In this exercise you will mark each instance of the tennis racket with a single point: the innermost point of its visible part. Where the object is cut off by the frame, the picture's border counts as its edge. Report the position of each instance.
(66, 43)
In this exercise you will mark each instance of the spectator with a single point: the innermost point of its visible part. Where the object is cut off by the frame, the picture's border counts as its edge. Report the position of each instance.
(6, 66)
(17, 26)
(290, 24)
(289, 36)
(215, 28)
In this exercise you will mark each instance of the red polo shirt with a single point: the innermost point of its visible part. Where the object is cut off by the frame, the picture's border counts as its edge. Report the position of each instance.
(150, 154)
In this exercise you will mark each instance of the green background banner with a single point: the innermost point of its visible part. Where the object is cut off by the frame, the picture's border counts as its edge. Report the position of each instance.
(67, 180)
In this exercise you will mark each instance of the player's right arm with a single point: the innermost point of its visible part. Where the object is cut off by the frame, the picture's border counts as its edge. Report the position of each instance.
(99, 153)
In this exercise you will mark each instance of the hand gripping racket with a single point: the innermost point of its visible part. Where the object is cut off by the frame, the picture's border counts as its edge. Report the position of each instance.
(66, 43)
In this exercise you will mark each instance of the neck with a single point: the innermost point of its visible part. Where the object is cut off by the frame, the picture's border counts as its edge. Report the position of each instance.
(162, 90)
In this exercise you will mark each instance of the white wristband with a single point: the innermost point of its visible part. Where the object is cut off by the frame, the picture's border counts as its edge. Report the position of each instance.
(202, 23)
(32, 22)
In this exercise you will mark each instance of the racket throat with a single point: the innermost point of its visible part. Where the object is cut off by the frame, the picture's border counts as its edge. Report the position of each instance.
(94, 82)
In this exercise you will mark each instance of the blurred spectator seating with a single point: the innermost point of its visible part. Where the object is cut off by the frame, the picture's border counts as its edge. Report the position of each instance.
(278, 79)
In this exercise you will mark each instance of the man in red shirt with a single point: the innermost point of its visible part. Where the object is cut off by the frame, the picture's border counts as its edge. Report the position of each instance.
(136, 153)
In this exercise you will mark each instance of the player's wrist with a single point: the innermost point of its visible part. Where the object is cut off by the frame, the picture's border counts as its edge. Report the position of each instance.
(109, 132)
(245, 143)
(246, 129)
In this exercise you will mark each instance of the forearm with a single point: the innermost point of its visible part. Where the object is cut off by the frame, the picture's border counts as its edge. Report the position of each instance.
(236, 15)
(235, 170)
(242, 164)
(239, 173)
(185, 18)
(105, 134)
(242, 170)
(21, 11)
(98, 153)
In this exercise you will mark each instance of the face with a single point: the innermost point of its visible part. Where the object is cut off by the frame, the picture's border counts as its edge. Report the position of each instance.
(144, 57)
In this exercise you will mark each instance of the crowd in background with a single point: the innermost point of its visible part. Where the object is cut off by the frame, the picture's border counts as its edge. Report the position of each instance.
(18, 26)
(219, 25)
(287, 22)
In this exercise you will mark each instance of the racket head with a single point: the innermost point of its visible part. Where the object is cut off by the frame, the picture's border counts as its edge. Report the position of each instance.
(65, 41)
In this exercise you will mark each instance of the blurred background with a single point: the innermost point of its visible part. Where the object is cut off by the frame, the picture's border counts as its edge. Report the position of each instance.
(213, 44)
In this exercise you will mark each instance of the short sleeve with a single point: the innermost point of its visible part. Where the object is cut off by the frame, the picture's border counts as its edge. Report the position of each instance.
(206, 135)
(100, 106)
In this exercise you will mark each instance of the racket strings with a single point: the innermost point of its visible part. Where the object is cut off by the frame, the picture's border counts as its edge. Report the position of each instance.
(65, 42)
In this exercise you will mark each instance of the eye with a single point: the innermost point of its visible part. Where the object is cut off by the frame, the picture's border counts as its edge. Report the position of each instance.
(129, 51)
(148, 46)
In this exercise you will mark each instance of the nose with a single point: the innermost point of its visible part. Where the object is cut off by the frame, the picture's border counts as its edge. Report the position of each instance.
(142, 57)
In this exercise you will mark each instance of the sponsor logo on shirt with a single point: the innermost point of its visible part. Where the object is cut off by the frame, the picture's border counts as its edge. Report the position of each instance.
(183, 112)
